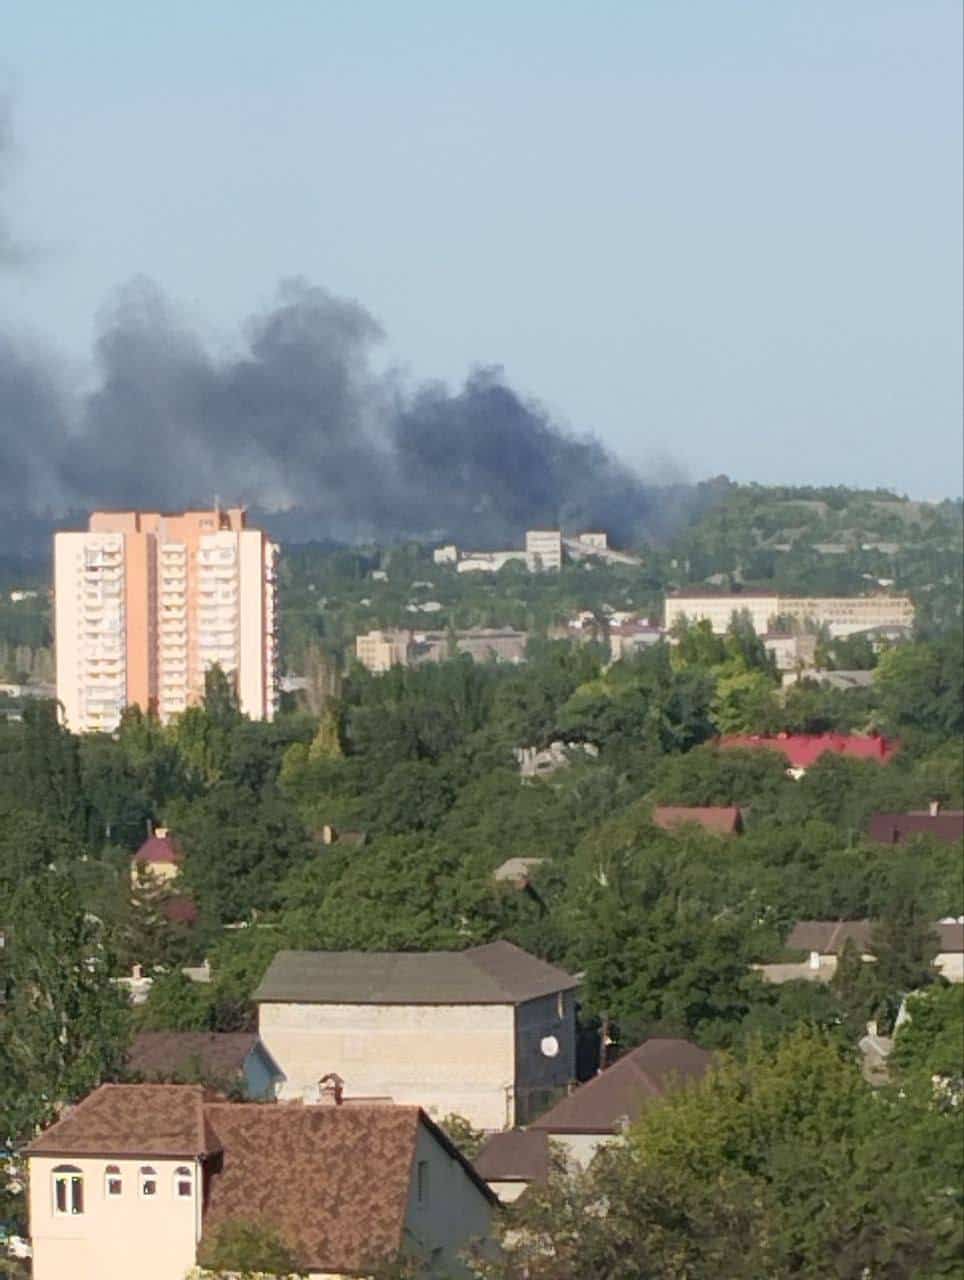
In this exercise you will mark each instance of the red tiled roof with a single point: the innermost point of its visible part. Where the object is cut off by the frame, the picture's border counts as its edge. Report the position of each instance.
(623, 1090)
(804, 749)
(898, 828)
(163, 849)
(723, 820)
(126, 1120)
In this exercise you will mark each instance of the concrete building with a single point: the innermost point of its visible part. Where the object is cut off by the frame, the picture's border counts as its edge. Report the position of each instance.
(137, 1179)
(381, 650)
(543, 549)
(842, 615)
(487, 1033)
(146, 602)
(824, 940)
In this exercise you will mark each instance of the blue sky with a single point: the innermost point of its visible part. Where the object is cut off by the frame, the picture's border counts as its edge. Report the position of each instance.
(723, 237)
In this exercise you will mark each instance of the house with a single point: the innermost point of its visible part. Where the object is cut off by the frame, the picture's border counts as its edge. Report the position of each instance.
(160, 854)
(487, 1033)
(541, 762)
(898, 828)
(720, 820)
(803, 750)
(591, 1116)
(824, 940)
(137, 1179)
(517, 871)
(223, 1059)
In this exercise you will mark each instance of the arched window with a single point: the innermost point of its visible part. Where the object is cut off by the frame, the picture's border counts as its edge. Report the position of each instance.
(113, 1183)
(68, 1190)
(183, 1181)
(148, 1180)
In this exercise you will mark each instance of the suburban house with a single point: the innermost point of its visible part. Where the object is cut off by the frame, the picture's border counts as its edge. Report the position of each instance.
(160, 854)
(591, 1116)
(487, 1033)
(803, 750)
(720, 820)
(223, 1059)
(136, 1179)
(946, 825)
(824, 940)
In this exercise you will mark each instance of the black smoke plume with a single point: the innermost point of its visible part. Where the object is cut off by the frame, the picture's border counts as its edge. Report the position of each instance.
(297, 421)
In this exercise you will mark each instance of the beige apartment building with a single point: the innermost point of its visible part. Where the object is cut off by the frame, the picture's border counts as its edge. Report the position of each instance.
(543, 549)
(146, 602)
(842, 615)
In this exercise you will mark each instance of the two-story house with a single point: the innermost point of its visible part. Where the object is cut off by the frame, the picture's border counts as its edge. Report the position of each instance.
(137, 1179)
(487, 1033)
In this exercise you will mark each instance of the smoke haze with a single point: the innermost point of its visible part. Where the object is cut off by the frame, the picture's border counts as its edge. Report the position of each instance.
(296, 420)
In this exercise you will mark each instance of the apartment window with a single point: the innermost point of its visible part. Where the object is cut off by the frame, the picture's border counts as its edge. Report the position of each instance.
(148, 1180)
(113, 1183)
(421, 1183)
(68, 1190)
(183, 1182)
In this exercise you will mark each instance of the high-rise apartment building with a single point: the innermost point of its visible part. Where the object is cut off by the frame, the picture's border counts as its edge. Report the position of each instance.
(146, 602)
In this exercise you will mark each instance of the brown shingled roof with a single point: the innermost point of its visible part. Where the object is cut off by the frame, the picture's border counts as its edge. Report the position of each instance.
(517, 1155)
(828, 937)
(897, 828)
(726, 820)
(163, 1054)
(623, 1090)
(127, 1120)
(334, 1182)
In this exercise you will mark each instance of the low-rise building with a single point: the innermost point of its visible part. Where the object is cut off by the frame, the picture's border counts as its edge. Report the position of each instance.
(946, 825)
(593, 1115)
(841, 615)
(824, 941)
(487, 1033)
(803, 750)
(138, 1179)
(160, 856)
(381, 650)
(222, 1059)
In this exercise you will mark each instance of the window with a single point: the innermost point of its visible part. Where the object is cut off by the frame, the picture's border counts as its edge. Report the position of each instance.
(68, 1190)
(183, 1181)
(421, 1175)
(113, 1183)
(148, 1178)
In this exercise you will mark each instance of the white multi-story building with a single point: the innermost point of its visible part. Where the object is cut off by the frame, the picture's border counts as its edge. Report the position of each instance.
(146, 603)
(543, 549)
(842, 615)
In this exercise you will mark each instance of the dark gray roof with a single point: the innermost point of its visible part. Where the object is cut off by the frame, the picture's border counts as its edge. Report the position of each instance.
(498, 973)
(517, 1155)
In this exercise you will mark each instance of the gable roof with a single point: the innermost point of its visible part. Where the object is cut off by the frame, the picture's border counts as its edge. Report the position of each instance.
(162, 1054)
(804, 749)
(897, 828)
(498, 973)
(727, 820)
(517, 1155)
(623, 1090)
(160, 849)
(126, 1120)
(829, 937)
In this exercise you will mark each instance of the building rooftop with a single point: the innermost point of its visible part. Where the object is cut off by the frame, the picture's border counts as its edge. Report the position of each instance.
(164, 1054)
(898, 828)
(829, 937)
(161, 847)
(498, 973)
(622, 1091)
(128, 1120)
(721, 820)
(804, 749)
(517, 1155)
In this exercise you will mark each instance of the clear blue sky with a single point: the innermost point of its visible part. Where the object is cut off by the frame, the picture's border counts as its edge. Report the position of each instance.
(723, 236)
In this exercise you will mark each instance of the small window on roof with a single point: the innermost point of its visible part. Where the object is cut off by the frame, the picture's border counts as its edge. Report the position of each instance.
(68, 1190)
(113, 1182)
(183, 1181)
(148, 1180)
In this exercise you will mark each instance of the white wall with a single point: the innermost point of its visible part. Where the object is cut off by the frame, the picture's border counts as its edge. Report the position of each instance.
(114, 1238)
(444, 1058)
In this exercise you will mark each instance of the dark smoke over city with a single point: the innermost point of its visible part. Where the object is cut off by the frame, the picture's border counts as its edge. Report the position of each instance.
(298, 421)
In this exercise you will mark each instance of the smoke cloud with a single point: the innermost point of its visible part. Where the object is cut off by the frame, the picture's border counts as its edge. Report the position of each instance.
(297, 420)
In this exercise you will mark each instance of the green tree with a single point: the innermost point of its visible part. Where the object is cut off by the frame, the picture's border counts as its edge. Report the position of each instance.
(246, 1249)
(65, 1025)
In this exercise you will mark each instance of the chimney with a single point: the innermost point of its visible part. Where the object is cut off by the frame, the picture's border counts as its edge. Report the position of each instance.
(161, 833)
(330, 1090)
(934, 808)
(137, 972)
